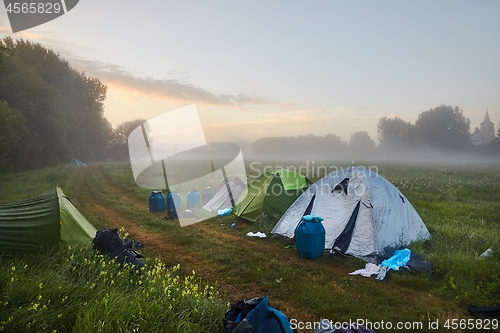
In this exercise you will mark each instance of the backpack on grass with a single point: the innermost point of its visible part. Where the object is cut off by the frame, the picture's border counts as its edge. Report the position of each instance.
(256, 316)
(109, 243)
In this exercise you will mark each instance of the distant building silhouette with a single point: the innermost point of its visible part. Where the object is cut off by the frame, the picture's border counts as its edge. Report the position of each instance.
(486, 132)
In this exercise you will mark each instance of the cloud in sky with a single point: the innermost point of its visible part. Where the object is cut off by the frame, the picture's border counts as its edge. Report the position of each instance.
(176, 90)
(333, 68)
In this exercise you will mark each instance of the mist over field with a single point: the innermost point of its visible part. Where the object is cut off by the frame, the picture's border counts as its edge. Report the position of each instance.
(165, 102)
(53, 114)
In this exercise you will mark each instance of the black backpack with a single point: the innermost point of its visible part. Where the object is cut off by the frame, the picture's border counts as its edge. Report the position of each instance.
(109, 243)
(238, 312)
(256, 316)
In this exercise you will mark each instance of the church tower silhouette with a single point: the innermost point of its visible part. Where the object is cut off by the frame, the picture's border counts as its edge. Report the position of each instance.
(487, 129)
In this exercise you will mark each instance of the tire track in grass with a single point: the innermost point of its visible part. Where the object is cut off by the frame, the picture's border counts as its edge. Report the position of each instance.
(233, 243)
(274, 252)
(158, 245)
(225, 234)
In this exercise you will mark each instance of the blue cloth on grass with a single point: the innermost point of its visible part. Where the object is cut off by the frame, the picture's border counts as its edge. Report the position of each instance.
(223, 212)
(399, 259)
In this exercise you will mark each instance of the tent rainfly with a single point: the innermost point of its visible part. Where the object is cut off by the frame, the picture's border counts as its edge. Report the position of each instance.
(229, 191)
(363, 214)
(270, 195)
(77, 163)
(28, 226)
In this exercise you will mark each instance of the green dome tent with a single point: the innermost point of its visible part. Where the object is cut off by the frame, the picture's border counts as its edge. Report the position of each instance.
(28, 226)
(270, 195)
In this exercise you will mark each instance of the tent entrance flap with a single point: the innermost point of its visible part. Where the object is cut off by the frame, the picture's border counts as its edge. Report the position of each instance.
(344, 239)
(75, 228)
(342, 186)
(309, 208)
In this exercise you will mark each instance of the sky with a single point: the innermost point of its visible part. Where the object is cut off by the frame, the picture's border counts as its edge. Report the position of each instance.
(283, 68)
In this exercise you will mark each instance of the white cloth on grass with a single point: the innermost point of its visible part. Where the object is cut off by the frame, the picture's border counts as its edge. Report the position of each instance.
(257, 234)
(369, 270)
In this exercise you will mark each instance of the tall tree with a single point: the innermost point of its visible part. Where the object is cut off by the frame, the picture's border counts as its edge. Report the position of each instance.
(118, 144)
(443, 127)
(361, 142)
(8, 134)
(59, 110)
(395, 133)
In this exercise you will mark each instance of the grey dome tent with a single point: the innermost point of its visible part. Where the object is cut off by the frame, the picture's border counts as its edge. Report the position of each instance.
(363, 214)
(229, 191)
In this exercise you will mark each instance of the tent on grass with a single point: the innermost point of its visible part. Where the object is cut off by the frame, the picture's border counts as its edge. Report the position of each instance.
(27, 226)
(270, 195)
(363, 214)
(229, 191)
(207, 194)
(77, 163)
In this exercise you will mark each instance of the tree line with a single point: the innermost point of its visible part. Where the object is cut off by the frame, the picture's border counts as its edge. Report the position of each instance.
(50, 112)
(443, 129)
(440, 130)
(312, 145)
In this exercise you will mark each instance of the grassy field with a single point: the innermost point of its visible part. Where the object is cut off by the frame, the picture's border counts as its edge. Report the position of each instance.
(458, 203)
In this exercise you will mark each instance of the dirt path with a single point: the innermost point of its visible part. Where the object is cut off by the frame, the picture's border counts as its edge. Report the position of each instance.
(217, 233)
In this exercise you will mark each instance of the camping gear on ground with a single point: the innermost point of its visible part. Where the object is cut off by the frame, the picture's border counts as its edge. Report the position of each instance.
(109, 243)
(404, 258)
(173, 201)
(193, 198)
(382, 273)
(363, 213)
(369, 270)
(229, 191)
(310, 237)
(486, 253)
(224, 212)
(156, 202)
(485, 310)
(399, 259)
(28, 226)
(172, 215)
(270, 195)
(77, 163)
(256, 316)
(256, 234)
(416, 264)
